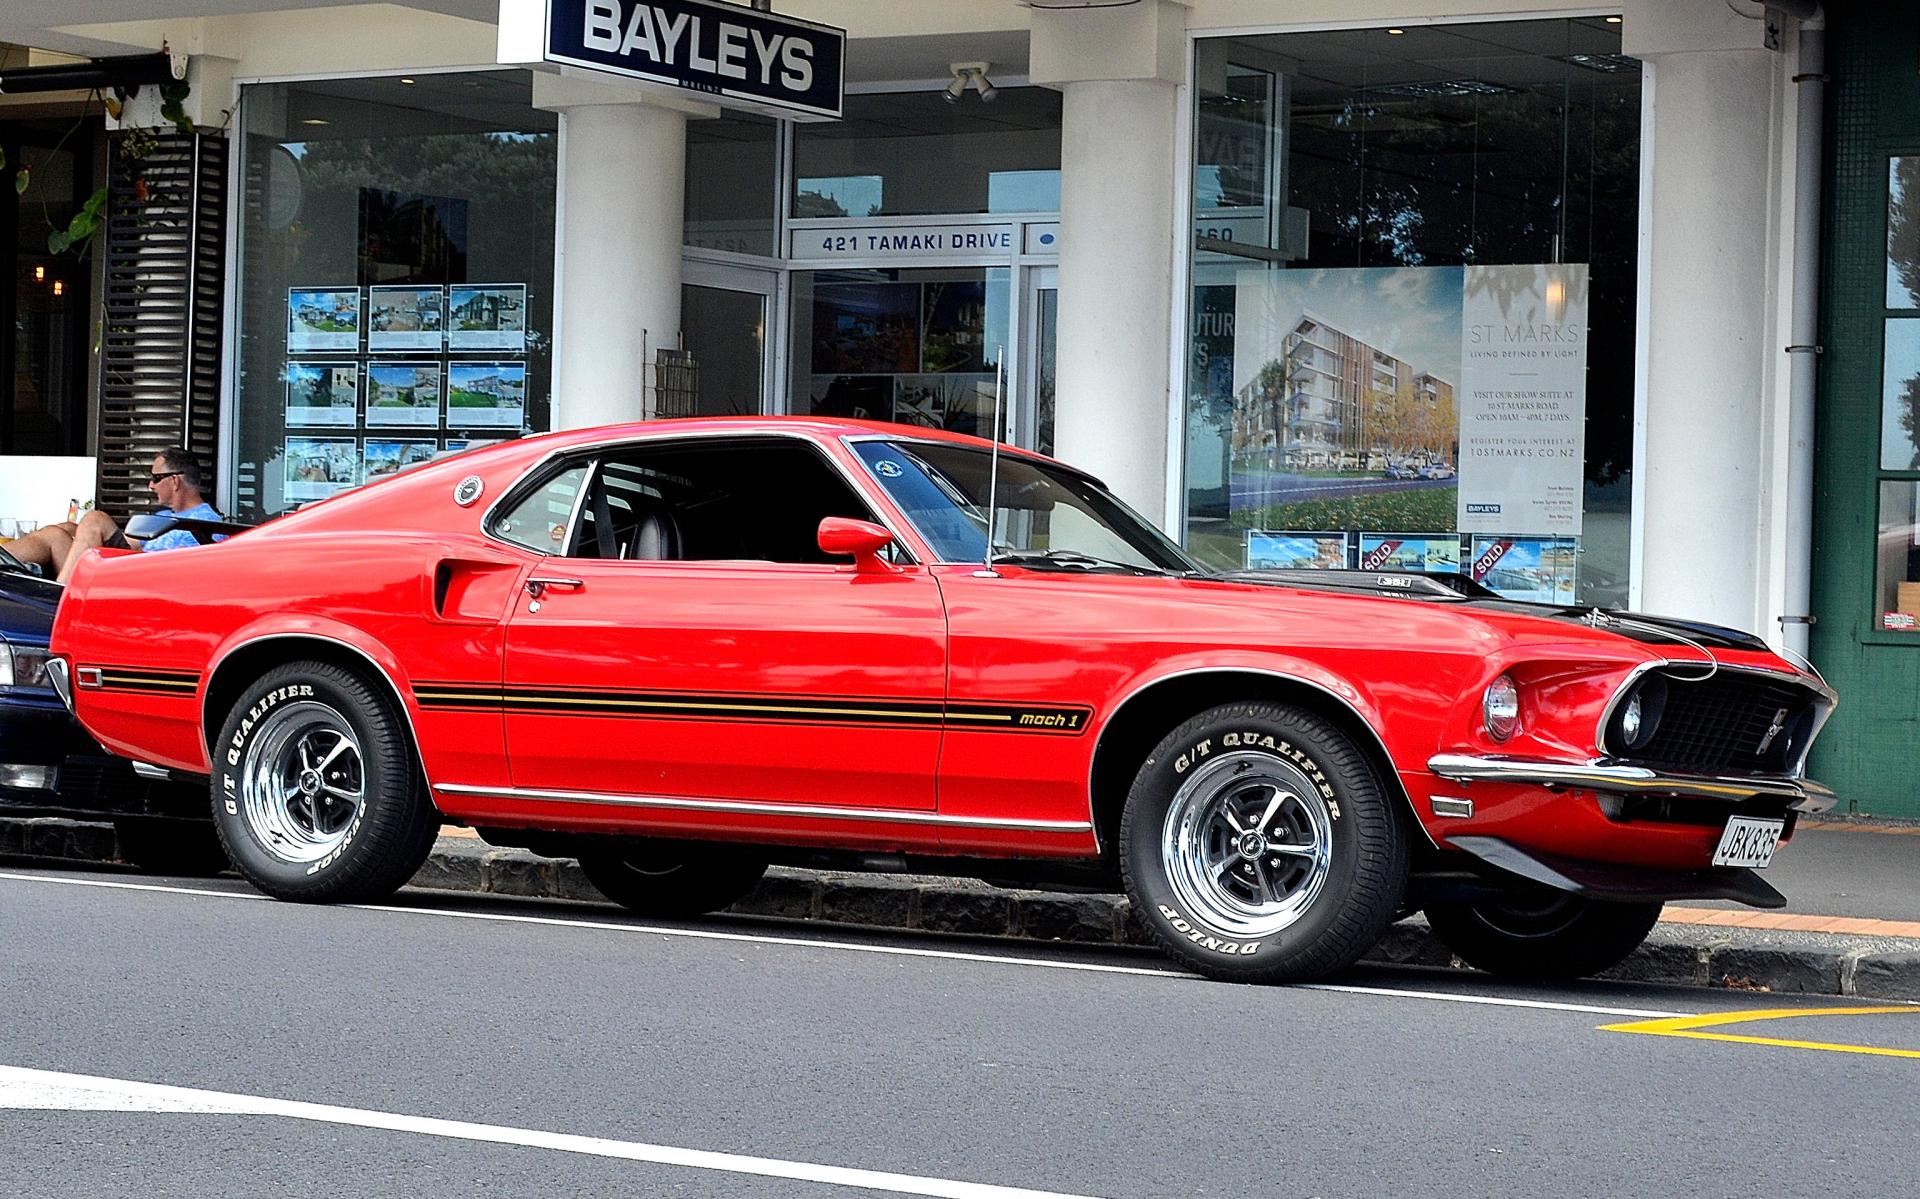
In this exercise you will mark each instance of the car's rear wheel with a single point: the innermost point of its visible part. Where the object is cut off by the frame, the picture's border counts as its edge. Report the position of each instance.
(316, 793)
(672, 878)
(1540, 933)
(187, 848)
(1259, 845)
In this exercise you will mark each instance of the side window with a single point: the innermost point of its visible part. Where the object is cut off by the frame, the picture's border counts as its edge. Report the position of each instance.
(540, 521)
(715, 500)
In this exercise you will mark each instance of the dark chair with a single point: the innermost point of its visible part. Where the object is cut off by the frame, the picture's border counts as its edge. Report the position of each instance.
(654, 535)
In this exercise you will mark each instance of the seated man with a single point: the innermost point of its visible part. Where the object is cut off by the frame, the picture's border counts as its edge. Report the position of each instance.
(175, 481)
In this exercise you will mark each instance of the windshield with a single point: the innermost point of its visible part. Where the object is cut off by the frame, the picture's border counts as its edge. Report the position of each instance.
(1043, 515)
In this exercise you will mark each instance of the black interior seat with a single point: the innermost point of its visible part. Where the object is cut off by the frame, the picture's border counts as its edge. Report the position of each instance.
(654, 536)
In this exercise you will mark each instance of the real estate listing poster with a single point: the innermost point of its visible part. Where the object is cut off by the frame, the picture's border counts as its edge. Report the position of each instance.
(1535, 569)
(1268, 550)
(403, 394)
(1432, 555)
(487, 316)
(323, 394)
(317, 467)
(383, 457)
(486, 394)
(405, 318)
(1523, 398)
(320, 318)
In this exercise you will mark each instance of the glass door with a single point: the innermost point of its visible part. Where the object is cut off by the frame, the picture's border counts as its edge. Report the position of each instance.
(43, 308)
(722, 365)
(1042, 308)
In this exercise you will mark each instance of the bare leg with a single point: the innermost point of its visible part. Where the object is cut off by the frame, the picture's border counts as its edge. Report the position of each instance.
(95, 528)
(45, 547)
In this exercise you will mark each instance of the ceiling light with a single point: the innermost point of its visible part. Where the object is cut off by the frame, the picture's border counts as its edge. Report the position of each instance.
(1613, 20)
(970, 74)
(316, 121)
(1611, 64)
(406, 81)
(1396, 32)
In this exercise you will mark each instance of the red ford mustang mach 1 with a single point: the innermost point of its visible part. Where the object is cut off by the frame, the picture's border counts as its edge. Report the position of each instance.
(682, 650)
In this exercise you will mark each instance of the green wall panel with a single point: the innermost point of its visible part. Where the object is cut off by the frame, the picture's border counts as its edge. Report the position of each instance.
(1871, 750)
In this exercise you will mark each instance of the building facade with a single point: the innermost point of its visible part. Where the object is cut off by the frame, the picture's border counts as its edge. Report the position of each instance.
(1528, 291)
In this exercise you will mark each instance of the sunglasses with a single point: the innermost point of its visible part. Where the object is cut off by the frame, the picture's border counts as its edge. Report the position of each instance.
(165, 474)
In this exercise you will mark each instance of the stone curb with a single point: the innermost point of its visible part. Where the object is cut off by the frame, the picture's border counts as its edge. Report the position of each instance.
(1684, 955)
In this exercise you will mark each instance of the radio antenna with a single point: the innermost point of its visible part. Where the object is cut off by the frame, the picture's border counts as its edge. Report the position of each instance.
(993, 469)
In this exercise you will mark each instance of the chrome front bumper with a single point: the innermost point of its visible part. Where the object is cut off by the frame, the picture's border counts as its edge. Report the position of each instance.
(1802, 795)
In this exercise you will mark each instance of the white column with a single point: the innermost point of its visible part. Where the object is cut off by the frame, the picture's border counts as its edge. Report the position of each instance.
(1118, 68)
(1116, 286)
(617, 254)
(1710, 313)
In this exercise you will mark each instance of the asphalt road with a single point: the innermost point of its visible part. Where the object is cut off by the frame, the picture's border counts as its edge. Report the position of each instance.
(447, 1046)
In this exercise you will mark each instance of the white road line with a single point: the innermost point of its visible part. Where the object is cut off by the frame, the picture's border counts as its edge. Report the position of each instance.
(697, 934)
(46, 1090)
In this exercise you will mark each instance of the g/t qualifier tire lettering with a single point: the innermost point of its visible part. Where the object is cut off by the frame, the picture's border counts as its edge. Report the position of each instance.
(320, 797)
(1258, 844)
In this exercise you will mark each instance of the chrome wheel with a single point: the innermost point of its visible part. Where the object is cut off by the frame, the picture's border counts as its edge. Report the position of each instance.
(303, 782)
(1247, 844)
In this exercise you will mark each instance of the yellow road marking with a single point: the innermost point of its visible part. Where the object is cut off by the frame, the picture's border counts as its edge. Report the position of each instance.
(1690, 1026)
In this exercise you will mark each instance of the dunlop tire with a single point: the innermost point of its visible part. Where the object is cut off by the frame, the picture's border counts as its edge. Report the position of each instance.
(1368, 871)
(398, 825)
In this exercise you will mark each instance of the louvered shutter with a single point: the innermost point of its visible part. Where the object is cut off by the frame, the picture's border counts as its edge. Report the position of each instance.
(164, 251)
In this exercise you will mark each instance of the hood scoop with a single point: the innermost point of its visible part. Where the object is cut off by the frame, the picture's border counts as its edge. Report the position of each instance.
(1374, 582)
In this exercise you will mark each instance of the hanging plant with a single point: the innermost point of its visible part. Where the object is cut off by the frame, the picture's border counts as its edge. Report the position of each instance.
(135, 144)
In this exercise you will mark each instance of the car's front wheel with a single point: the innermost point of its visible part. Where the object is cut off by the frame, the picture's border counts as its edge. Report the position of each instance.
(1539, 933)
(672, 878)
(1258, 844)
(316, 794)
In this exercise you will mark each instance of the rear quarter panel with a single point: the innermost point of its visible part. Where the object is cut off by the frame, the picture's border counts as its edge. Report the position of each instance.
(358, 571)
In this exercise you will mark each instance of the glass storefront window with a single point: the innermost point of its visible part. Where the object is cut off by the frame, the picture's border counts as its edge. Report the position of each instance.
(1896, 586)
(915, 346)
(396, 278)
(913, 153)
(1411, 324)
(731, 193)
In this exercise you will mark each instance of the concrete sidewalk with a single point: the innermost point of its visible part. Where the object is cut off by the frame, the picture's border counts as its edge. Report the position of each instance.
(1852, 925)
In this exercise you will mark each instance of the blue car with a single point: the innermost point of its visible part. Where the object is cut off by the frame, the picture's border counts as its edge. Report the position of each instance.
(49, 766)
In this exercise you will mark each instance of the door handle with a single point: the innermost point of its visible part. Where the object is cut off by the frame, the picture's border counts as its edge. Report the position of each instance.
(536, 587)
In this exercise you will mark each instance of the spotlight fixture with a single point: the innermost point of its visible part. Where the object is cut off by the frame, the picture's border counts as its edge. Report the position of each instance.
(1395, 32)
(970, 75)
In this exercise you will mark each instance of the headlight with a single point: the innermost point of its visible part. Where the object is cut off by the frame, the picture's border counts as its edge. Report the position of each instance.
(1501, 707)
(24, 666)
(1639, 718)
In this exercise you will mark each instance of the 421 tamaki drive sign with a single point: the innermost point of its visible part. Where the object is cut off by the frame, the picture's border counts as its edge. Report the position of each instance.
(737, 56)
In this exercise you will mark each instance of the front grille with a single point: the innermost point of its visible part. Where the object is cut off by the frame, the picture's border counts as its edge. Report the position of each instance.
(1717, 725)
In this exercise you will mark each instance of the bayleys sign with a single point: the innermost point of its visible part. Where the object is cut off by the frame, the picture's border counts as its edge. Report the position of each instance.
(741, 57)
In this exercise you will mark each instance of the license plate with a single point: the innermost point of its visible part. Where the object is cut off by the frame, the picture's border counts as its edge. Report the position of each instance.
(1748, 842)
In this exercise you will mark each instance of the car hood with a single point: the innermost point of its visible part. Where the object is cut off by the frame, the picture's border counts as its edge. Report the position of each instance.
(26, 607)
(1456, 591)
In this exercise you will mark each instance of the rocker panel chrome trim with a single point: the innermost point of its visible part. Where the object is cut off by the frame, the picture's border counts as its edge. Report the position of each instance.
(760, 808)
